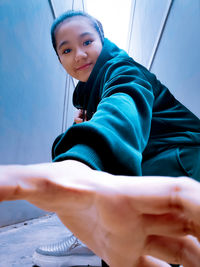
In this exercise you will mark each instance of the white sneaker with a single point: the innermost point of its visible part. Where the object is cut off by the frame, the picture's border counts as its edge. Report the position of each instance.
(69, 252)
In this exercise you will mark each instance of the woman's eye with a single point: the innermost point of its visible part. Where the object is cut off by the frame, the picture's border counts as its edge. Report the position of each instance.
(87, 42)
(66, 51)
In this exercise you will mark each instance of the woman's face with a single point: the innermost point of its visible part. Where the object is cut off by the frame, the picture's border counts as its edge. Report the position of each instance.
(78, 46)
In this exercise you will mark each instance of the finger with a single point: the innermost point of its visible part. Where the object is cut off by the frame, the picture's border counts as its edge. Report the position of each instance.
(8, 182)
(171, 224)
(185, 251)
(78, 120)
(149, 261)
(78, 113)
(160, 195)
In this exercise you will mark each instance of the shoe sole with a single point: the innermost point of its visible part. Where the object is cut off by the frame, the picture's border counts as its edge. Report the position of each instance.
(66, 261)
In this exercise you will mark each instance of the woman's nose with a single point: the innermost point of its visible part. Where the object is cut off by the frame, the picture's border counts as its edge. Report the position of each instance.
(80, 53)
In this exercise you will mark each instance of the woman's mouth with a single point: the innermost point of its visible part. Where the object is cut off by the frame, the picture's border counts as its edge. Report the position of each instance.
(85, 66)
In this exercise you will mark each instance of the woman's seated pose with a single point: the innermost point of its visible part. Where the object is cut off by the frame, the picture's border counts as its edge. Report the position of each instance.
(111, 178)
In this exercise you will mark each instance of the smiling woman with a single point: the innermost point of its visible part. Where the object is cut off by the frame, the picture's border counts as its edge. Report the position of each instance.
(78, 46)
(135, 128)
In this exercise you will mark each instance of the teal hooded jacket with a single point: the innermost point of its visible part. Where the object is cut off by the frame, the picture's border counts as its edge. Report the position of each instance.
(131, 116)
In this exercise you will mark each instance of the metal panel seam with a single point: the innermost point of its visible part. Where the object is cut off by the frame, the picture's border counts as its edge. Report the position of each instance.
(52, 8)
(131, 24)
(157, 42)
(65, 104)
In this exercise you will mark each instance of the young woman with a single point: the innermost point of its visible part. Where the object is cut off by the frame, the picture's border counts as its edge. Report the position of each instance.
(133, 126)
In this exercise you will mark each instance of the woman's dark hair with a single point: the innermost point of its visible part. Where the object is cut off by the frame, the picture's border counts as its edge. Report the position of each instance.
(72, 13)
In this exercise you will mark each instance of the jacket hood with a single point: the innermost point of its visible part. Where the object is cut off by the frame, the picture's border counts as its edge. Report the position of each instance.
(83, 89)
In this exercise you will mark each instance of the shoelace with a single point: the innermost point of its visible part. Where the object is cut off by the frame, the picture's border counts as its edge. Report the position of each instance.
(71, 242)
(64, 245)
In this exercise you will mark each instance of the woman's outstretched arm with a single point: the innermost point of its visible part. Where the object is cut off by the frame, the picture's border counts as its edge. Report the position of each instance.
(127, 221)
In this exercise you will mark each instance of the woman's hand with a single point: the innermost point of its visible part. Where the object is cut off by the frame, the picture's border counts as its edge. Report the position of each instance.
(151, 216)
(80, 116)
(127, 221)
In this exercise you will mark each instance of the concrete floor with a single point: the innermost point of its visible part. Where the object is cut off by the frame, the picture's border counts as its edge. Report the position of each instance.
(18, 242)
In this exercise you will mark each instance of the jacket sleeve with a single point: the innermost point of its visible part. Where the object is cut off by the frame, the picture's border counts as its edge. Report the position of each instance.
(114, 139)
